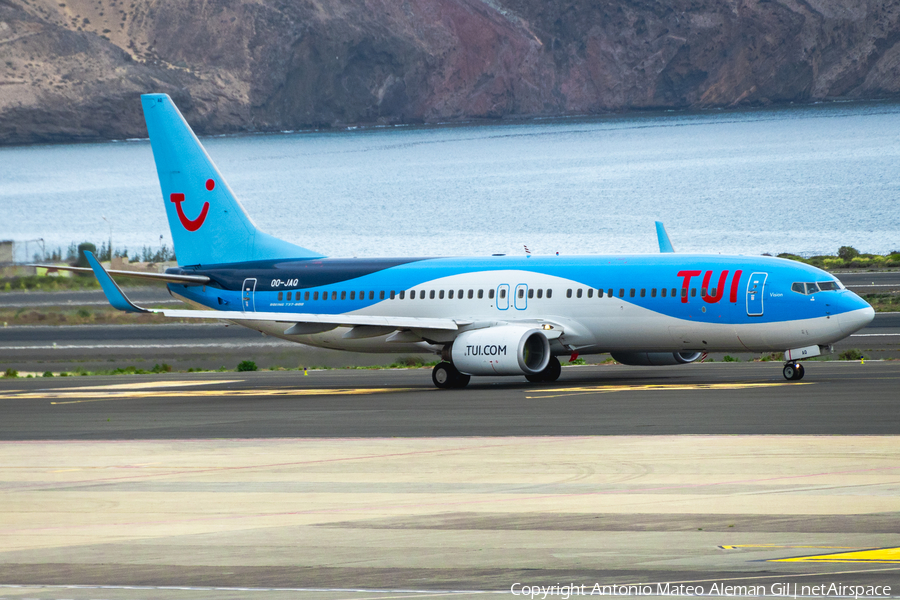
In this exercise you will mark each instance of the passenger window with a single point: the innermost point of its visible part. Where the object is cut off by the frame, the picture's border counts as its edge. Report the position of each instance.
(441, 294)
(578, 293)
(599, 293)
(674, 292)
(540, 293)
(712, 292)
(569, 293)
(590, 292)
(431, 295)
(316, 296)
(653, 293)
(422, 294)
(621, 292)
(306, 295)
(549, 294)
(334, 295)
(289, 294)
(381, 295)
(521, 292)
(362, 295)
(702, 291)
(372, 295)
(631, 293)
(281, 295)
(502, 293)
(643, 293)
(609, 293)
(693, 292)
(490, 294)
(402, 294)
(343, 295)
(471, 294)
(684, 292)
(531, 292)
(662, 292)
(460, 295)
(480, 294)
(353, 295)
(393, 295)
(450, 294)
(324, 296)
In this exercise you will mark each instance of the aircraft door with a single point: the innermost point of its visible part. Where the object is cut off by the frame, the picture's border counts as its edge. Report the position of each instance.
(503, 296)
(248, 295)
(755, 288)
(521, 299)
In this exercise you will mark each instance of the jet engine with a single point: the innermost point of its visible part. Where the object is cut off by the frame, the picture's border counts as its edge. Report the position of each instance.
(655, 359)
(502, 350)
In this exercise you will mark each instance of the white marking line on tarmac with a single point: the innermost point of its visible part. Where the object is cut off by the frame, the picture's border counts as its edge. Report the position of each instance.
(405, 592)
(150, 346)
(875, 334)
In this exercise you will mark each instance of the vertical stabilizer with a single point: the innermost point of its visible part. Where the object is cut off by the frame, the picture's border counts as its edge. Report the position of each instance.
(208, 224)
(664, 244)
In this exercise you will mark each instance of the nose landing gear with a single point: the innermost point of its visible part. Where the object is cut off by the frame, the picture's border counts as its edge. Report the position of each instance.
(793, 371)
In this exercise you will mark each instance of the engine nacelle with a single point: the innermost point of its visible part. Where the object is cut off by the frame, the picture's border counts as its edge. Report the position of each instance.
(502, 350)
(655, 359)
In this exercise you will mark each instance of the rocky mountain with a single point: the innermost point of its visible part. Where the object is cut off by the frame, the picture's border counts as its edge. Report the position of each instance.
(72, 69)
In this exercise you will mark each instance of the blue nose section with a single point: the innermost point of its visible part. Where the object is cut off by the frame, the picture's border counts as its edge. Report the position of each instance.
(855, 314)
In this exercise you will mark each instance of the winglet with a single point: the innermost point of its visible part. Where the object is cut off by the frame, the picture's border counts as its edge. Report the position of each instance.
(111, 288)
(664, 244)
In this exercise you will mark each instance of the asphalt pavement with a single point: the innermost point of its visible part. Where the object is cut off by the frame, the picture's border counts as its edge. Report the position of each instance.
(834, 398)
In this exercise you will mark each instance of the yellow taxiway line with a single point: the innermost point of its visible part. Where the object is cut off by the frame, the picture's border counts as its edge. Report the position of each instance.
(874, 555)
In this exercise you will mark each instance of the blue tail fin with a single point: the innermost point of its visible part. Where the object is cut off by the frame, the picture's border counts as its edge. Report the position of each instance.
(208, 224)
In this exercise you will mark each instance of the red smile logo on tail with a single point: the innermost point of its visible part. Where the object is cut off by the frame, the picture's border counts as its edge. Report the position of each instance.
(192, 224)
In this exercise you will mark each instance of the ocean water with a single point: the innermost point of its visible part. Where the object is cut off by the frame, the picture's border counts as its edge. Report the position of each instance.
(796, 179)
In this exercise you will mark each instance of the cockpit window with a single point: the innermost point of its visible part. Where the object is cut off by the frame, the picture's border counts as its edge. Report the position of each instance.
(808, 288)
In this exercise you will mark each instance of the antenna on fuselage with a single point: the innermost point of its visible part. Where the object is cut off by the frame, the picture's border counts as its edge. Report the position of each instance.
(664, 244)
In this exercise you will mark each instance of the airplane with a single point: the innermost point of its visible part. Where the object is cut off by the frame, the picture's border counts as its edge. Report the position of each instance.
(490, 315)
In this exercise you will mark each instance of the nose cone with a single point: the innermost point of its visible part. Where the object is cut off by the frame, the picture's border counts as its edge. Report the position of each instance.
(859, 314)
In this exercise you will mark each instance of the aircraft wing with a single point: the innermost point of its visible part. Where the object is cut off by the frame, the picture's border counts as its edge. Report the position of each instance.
(119, 300)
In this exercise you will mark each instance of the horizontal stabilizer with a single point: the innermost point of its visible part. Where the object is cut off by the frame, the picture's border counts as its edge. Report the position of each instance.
(161, 277)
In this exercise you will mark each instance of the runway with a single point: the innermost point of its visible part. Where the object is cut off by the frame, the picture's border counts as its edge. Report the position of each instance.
(371, 484)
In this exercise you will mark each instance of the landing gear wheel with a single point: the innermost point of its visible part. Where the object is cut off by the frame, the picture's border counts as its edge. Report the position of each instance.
(446, 376)
(550, 373)
(793, 371)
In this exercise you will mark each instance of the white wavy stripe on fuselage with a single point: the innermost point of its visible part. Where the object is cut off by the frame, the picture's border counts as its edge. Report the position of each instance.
(591, 324)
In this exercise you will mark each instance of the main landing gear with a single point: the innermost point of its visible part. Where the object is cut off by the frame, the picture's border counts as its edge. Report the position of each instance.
(446, 376)
(550, 373)
(793, 371)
